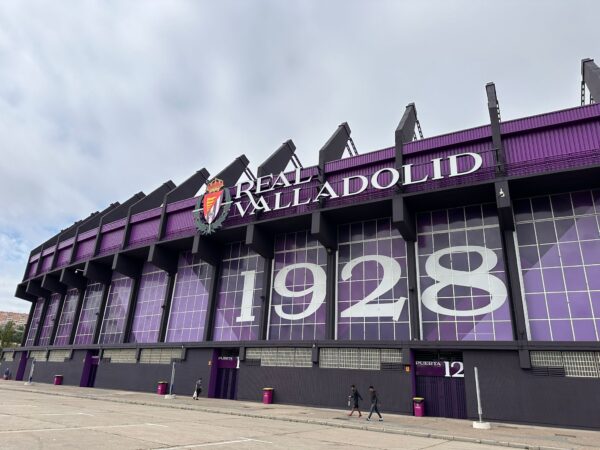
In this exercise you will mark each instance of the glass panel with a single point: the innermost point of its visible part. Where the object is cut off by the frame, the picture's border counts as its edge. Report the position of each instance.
(89, 314)
(148, 308)
(559, 254)
(35, 321)
(67, 317)
(187, 318)
(372, 288)
(49, 319)
(113, 324)
(463, 293)
(299, 286)
(237, 316)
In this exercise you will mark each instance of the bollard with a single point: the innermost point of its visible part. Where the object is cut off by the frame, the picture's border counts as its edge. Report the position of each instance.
(170, 395)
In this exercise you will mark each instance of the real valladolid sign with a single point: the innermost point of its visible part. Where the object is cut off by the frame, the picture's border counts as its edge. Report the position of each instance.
(213, 207)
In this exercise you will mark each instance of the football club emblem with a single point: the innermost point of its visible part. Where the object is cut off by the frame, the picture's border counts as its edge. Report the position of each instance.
(213, 207)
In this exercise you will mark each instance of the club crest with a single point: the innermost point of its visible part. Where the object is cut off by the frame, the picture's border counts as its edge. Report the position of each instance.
(212, 208)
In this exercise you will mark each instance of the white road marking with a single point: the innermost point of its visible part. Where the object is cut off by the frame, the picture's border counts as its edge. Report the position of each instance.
(214, 444)
(64, 414)
(96, 427)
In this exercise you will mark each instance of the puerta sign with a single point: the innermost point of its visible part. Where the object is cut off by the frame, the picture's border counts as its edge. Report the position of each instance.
(213, 207)
(448, 369)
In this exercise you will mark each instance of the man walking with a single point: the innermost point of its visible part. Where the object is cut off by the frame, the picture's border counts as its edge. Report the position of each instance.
(197, 389)
(353, 400)
(374, 404)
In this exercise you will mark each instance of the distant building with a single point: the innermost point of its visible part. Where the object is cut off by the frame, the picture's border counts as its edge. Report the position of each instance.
(17, 318)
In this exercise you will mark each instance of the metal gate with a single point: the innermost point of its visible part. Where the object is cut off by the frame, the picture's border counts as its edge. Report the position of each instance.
(444, 397)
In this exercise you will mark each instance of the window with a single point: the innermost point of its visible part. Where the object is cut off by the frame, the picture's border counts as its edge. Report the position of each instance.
(238, 304)
(59, 355)
(121, 355)
(113, 324)
(8, 356)
(372, 267)
(461, 276)
(281, 357)
(39, 355)
(187, 317)
(35, 321)
(559, 254)
(575, 364)
(160, 355)
(358, 358)
(148, 308)
(299, 287)
(46, 332)
(67, 317)
(89, 314)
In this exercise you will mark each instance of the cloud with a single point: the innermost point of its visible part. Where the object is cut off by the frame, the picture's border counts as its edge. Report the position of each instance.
(99, 100)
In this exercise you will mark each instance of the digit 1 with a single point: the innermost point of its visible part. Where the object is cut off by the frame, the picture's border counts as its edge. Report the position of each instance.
(247, 297)
(447, 369)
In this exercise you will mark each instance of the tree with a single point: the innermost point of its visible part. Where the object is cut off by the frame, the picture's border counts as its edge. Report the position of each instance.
(11, 335)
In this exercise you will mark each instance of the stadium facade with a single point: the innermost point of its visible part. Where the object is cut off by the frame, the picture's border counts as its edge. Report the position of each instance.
(403, 268)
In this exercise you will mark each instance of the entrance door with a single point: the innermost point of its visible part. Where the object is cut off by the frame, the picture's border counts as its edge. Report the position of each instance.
(226, 383)
(22, 365)
(440, 381)
(90, 368)
(227, 370)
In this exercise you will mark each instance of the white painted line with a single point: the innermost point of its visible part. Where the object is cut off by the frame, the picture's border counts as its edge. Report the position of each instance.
(214, 444)
(12, 406)
(64, 414)
(96, 427)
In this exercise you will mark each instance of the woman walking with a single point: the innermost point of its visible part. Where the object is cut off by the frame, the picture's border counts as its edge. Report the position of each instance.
(353, 400)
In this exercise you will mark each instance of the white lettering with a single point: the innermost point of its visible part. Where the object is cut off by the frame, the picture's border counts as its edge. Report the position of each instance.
(364, 183)
(247, 190)
(375, 178)
(454, 164)
(297, 198)
(329, 194)
(281, 181)
(278, 204)
(260, 188)
(408, 175)
(437, 169)
(298, 180)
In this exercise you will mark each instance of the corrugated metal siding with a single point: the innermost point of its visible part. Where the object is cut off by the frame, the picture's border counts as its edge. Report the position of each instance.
(181, 204)
(63, 256)
(66, 243)
(46, 263)
(145, 215)
(48, 250)
(85, 249)
(114, 225)
(180, 223)
(144, 231)
(88, 234)
(32, 269)
(111, 240)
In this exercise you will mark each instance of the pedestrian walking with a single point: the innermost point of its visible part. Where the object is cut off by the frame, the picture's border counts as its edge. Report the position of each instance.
(374, 404)
(197, 389)
(353, 400)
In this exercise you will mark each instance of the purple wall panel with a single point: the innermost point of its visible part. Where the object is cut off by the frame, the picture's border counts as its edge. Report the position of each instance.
(559, 253)
(145, 215)
(297, 310)
(35, 321)
(180, 223)
(62, 259)
(32, 269)
(48, 251)
(148, 308)
(66, 243)
(113, 322)
(87, 234)
(67, 318)
(111, 240)
(238, 303)
(46, 263)
(145, 231)
(462, 280)
(187, 318)
(372, 260)
(51, 314)
(85, 249)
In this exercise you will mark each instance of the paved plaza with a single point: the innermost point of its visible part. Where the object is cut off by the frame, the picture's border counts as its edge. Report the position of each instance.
(57, 417)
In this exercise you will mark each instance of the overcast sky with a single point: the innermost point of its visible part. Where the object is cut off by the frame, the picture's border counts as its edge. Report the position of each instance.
(99, 100)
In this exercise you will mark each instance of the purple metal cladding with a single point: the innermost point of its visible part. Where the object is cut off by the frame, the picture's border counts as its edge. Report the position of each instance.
(146, 231)
(48, 251)
(46, 263)
(88, 234)
(145, 215)
(32, 269)
(113, 225)
(111, 240)
(63, 257)
(67, 318)
(35, 321)
(85, 249)
(66, 243)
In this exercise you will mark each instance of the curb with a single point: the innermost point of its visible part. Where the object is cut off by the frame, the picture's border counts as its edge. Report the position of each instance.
(322, 422)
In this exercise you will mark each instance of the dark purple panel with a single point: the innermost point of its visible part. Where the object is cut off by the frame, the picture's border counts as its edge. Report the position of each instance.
(148, 309)
(35, 321)
(113, 323)
(67, 317)
(49, 319)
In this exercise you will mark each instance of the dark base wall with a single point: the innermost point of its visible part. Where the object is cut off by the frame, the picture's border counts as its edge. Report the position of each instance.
(326, 387)
(145, 377)
(70, 369)
(512, 394)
